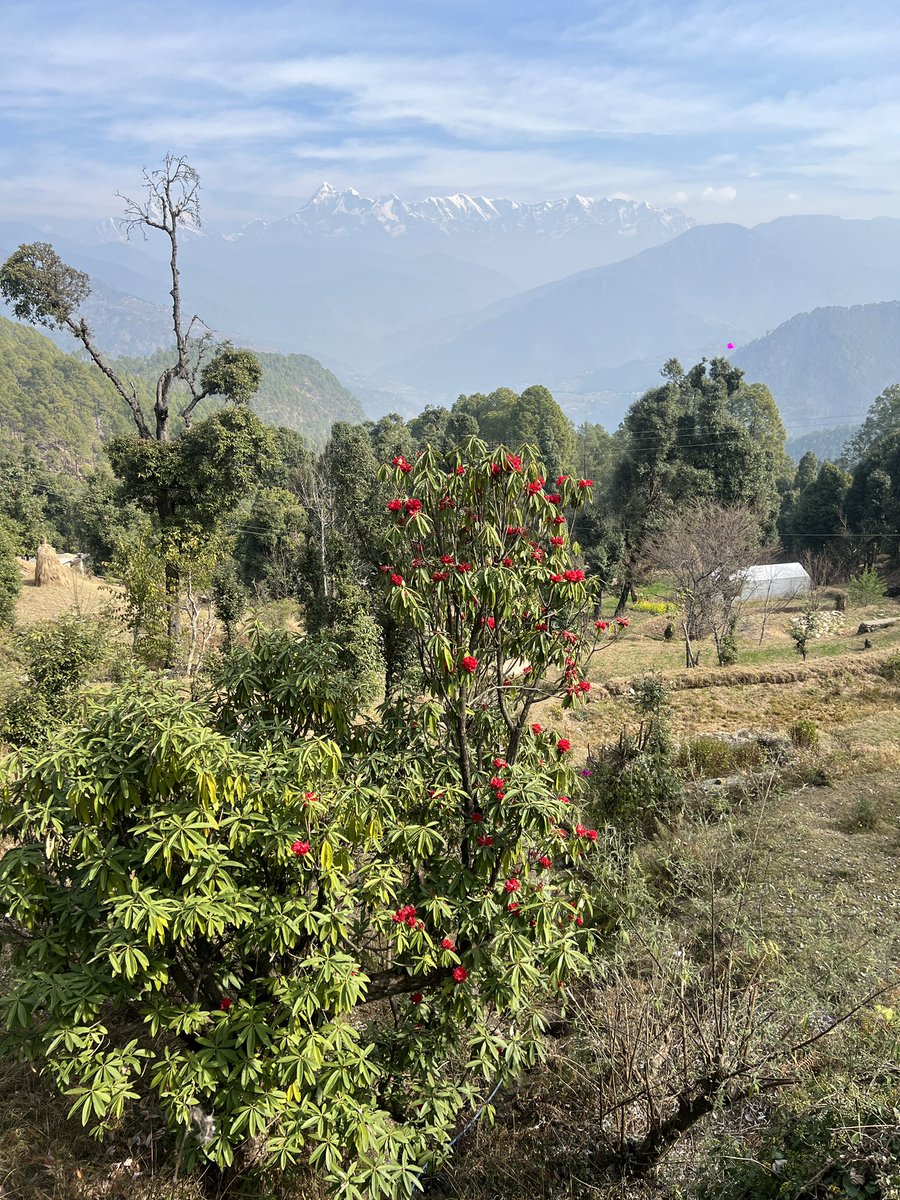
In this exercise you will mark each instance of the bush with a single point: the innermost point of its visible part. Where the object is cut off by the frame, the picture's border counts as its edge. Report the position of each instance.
(633, 781)
(59, 657)
(708, 757)
(10, 576)
(804, 734)
(328, 937)
(866, 588)
(890, 668)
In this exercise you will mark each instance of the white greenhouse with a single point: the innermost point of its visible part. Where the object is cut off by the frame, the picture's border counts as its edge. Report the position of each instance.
(777, 581)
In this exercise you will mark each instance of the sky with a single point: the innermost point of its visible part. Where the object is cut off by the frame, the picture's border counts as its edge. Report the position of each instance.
(738, 111)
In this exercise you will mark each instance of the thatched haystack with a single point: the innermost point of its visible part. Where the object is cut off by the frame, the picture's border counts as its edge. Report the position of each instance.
(47, 571)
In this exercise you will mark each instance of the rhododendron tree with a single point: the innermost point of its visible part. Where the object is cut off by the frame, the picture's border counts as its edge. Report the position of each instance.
(315, 940)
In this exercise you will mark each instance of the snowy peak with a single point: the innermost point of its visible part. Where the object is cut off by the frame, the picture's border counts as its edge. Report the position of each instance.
(341, 214)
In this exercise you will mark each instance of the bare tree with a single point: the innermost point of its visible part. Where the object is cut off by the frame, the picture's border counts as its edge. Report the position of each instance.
(706, 548)
(44, 290)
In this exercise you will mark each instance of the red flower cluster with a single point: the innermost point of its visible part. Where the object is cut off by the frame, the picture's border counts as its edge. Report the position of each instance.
(470, 663)
(301, 849)
(554, 499)
(555, 577)
(541, 627)
(602, 625)
(401, 463)
(406, 916)
(495, 468)
(460, 974)
(559, 519)
(574, 576)
(622, 622)
(536, 729)
(545, 862)
(416, 997)
(500, 763)
(507, 562)
(463, 567)
(512, 885)
(515, 530)
(439, 576)
(564, 745)
(513, 906)
(489, 621)
(395, 506)
(535, 486)
(584, 685)
(485, 839)
(447, 559)
(225, 1003)
(447, 944)
(585, 483)
(561, 479)
(413, 506)
(513, 462)
(396, 580)
(477, 817)
(557, 541)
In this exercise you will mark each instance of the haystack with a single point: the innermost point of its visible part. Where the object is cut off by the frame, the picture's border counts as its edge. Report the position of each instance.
(47, 571)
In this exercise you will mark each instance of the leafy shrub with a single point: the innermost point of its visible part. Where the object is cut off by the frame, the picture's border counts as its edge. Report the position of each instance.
(633, 781)
(865, 816)
(330, 936)
(804, 734)
(866, 588)
(708, 757)
(59, 656)
(10, 576)
(727, 648)
(811, 625)
(890, 668)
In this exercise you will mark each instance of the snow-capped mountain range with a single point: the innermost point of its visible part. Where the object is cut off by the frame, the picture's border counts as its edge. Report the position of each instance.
(334, 213)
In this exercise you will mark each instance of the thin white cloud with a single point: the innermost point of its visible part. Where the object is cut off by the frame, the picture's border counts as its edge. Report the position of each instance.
(719, 195)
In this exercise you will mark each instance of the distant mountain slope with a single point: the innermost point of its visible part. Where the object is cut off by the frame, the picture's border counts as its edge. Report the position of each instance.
(65, 409)
(689, 297)
(828, 363)
(57, 404)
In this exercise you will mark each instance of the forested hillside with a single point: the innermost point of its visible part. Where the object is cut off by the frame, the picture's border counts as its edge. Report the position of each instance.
(56, 403)
(63, 407)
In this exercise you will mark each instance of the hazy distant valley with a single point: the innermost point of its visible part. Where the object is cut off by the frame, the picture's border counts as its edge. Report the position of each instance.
(412, 303)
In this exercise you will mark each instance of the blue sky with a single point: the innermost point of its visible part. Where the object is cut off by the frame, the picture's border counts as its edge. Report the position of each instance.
(733, 111)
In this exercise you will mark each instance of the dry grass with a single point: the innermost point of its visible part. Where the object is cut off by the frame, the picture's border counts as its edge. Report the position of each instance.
(85, 594)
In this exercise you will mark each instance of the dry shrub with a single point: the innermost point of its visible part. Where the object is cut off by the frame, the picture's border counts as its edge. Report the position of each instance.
(47, 569)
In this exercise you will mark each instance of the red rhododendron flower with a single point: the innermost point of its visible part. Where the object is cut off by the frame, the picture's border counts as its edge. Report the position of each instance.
(500, 763)
(497, 782)
(463, 567)
(564, 799)
(460, 974)
(585, 483)
(225, 1003)
(489, 621)
(556, 577)
(413, 506)
(512, 885)
(507, 562)
(574, 576)
(564, 745)
(592, 834)
(485, 840)
(470, 663)
(460, 470)
(584, 685)
(557, 541)
(535, 486)
(602, 625)
(537, 728)
(561, 479)
(396, 580)
(622, 622)
(513, 462)
(447, 944)
(513, 906)
(559, 520)
(395, 505)
(477, 817)
(495, 468)
(581, 830)
(411, 921)
(545, 862)
(300, 848)
(446, 559)
(416, 997)
(554, 499)
(439, 576)
(562, 832)
(541, 627)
